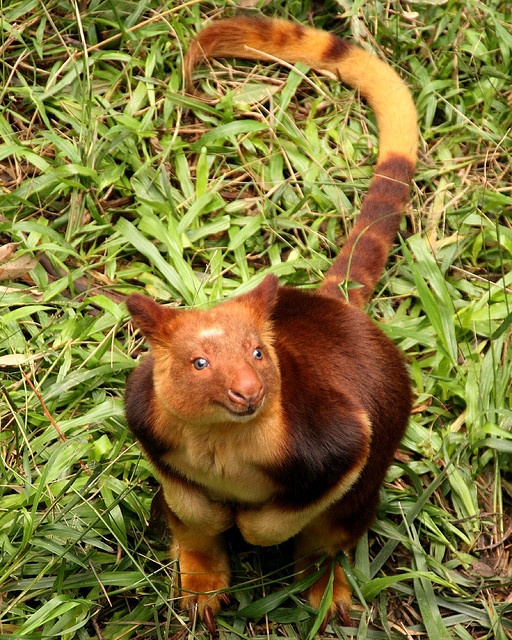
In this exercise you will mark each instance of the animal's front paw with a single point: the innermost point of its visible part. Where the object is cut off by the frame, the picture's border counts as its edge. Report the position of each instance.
(261, 527)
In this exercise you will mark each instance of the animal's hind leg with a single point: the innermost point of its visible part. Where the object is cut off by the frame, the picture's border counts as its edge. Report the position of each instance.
(316, 548)
(204, 571)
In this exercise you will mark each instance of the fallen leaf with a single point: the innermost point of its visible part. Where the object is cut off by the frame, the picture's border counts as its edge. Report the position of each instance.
(17, 359)
(7, 250)
(17, 267)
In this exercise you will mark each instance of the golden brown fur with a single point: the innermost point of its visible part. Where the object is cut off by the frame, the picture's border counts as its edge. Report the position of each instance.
(279, 411)
(387, 95)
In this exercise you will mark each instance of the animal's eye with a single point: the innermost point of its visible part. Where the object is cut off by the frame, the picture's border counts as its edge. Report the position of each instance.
(200, 363)
(258, 354)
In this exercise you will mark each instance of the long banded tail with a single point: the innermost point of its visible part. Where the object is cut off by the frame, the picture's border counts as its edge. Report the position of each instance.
(363, 257)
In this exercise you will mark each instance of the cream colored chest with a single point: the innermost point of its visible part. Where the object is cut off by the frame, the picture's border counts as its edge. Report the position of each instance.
(225, 472)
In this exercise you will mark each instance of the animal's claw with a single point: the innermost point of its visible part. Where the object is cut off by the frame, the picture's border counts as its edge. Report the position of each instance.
(343, 613)
(209, 620)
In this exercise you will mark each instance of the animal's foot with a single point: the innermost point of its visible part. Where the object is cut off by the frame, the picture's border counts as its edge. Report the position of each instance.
(201, 602)
(204, 590)
(203, 581)
(206, 606)
(341, 595)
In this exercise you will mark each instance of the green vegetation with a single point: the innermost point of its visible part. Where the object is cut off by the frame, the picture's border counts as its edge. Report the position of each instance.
(113, 181)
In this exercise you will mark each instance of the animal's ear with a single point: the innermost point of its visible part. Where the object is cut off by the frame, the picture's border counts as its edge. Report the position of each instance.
(263, 297)
(151, 318)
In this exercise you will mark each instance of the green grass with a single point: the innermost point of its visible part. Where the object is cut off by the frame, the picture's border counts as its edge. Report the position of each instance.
(113, 181)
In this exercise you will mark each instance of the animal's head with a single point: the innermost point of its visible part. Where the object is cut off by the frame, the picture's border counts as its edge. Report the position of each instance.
(217, 365)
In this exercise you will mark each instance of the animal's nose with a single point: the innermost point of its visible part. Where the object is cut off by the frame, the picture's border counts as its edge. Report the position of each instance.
(252, 400)
(246, 390)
